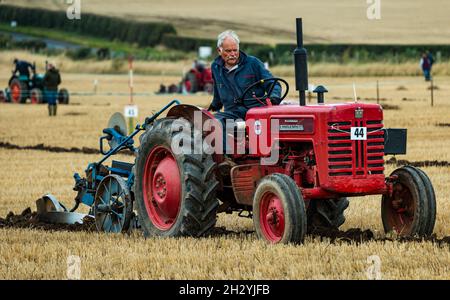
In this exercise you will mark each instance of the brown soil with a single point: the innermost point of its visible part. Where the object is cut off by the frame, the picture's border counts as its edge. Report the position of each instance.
(357, 235)
(412, 99)
(29, 219)
(42, 147)
(390, 107)
(420, 164)
(84, 150)
(222, 231)
(74, 113)
(373, 99)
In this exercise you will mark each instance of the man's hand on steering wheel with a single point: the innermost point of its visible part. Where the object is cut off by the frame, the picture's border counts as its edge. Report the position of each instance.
(273, 100)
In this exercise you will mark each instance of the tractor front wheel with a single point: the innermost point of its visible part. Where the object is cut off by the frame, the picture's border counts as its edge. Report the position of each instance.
(411, 208)
(175, 190)
(279, 213)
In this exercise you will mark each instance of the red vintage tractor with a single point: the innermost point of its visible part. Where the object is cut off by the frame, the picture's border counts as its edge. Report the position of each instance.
(326, 153)
(293, 169)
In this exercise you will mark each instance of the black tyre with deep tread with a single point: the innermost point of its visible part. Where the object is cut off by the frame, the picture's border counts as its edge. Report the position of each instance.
(326, 213)
(287, 191)
(198, 204)
(414, 188)
(430, 202)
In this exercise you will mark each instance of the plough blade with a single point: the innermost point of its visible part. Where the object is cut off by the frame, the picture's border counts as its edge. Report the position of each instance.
(50, 210)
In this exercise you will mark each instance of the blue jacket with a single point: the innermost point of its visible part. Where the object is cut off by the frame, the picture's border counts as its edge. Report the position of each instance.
(22, 67)
(250, 69)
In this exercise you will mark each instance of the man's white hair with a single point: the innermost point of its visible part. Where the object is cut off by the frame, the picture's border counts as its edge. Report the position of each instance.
(228, 33)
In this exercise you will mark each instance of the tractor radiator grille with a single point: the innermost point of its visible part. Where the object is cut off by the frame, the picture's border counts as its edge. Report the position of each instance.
(355, 158)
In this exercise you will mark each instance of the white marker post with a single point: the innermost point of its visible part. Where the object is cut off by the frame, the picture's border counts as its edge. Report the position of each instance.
(95, 86)
(131, 110)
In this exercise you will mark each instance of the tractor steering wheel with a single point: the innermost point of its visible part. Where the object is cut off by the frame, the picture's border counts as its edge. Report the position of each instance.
(274, 80)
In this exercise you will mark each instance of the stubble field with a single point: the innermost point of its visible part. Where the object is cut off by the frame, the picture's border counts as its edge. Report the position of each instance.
(234, 252)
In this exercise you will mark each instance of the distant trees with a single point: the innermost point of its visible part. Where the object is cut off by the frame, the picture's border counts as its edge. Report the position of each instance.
(140, 33)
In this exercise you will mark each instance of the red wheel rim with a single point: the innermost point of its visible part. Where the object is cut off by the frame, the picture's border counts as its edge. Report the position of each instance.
(15, 92)
(400, 210)
(271, 215)
(162, 188)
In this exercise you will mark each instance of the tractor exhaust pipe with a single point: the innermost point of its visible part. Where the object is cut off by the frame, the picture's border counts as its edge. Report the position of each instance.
(301, 65)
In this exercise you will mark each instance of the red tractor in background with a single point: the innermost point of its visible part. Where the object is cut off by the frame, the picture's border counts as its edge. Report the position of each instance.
(198, 78)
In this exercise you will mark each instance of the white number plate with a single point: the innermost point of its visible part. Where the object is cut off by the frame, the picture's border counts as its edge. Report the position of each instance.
(131, 111)
(358, 133)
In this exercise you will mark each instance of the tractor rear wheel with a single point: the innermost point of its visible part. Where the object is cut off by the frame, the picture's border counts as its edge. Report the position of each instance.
(18, 90)
(411, 209)
(36, 96)
(279, 213)
(175, 192)
(326, 213)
